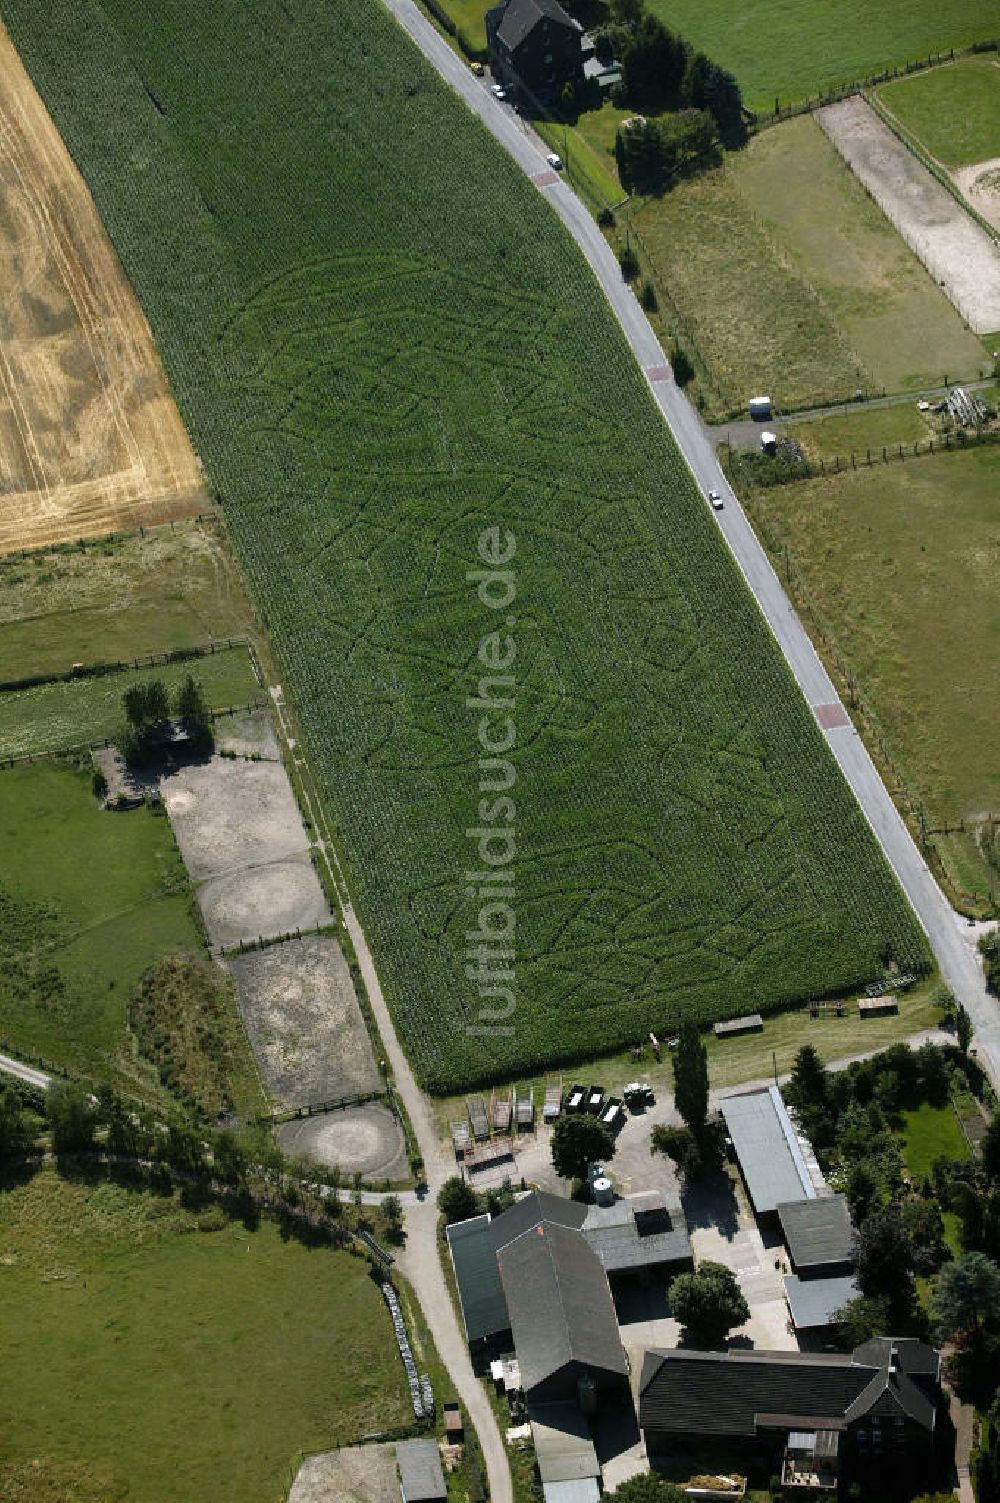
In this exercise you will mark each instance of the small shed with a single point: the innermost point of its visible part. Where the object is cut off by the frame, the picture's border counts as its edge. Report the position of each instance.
(454, 1425)
(818, 1234)
(752, 1023)
(877, 1007)
(421, 1479)
(814, 1303)
(759, 409)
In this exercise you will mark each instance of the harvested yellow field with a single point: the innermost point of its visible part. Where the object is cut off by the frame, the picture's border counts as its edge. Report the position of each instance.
(90, 439)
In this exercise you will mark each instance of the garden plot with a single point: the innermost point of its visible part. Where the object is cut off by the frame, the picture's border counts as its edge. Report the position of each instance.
(244, 844)
(365, 1140)
(304, 1021)
(958, 254)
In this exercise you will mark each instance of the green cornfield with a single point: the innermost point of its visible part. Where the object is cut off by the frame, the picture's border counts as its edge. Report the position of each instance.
(383, 343)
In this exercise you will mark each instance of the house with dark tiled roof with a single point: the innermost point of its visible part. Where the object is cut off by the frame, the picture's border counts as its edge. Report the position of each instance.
(820, 1414)
(535, 47)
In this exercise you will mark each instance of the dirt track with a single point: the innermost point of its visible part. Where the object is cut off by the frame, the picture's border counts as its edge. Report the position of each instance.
(959, 255)
(90, 438)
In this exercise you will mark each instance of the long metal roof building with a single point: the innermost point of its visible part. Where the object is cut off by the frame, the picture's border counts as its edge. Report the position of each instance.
(773, 1166)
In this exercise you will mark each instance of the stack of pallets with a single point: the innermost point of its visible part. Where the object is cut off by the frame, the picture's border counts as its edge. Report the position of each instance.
(476, 1107)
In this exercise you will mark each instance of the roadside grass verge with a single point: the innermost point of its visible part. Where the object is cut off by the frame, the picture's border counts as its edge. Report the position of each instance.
(69, 713)
(953, 110)
(115, 599)
(154, 1355)
(894, 569)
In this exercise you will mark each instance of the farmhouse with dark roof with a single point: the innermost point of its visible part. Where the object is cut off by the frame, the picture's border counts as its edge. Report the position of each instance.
(535, 47)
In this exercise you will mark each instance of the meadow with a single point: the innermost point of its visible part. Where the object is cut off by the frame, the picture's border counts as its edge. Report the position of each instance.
(896, 567)
(953, 110)
(53, 717)
(117, 598)
(791, 49)
(383, 346)
(156, 1353)
(859, 430)
(795, 283)
(90, 899)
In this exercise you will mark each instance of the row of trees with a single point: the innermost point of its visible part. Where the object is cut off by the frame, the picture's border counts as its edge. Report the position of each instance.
(661, 71)
(147, 707)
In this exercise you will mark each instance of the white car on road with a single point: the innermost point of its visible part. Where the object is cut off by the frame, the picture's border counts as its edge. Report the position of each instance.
(716, 500)
(498, 91)
(554, 162)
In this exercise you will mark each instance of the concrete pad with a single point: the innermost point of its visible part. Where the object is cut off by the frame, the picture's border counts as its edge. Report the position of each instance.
(263, 902)
(366, 1140)
(305, 1024)
(230, 813)
(356, 1474)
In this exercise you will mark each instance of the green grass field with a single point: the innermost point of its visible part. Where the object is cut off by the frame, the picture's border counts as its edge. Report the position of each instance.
(898, 564)
(118, 598)
(929, 1133)
(383, 348)
(954, 111)
(796, 284)
(148, 1360)
(856, 432)
(89, 899)
(79, 712)
(791, 49)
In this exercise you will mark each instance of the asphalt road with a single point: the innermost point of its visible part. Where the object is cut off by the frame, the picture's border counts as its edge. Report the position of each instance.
(952, 944)
(36, 1078)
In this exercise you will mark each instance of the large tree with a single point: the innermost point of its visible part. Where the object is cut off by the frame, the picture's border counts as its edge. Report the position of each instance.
(990, 1148)
(966, 1298)
(884, 1256)
(709, 1304)
(578, 1142)
(457, 1200)
(72, 1117)
(15, 1133)
(690, 1064)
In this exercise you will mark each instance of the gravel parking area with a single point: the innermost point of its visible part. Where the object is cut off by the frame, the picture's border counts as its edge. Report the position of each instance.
(959, 255)
(366, 1140)
(356, 1474)
(304, 1021)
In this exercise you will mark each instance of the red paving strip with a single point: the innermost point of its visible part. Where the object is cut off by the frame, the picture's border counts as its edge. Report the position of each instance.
(544, 179)
(658, 372)
(830, 716)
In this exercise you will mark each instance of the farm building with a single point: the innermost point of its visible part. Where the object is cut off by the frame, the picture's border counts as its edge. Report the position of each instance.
(777, 1165)
(819, 1235)
(567, 1462)
(822, 1414)
(421, 1479)
(643, 1234)
(480, 1293)
(535, 47)
(813, 1304)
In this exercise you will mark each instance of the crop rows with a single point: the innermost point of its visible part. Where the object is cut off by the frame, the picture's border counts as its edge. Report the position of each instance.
(382, 342)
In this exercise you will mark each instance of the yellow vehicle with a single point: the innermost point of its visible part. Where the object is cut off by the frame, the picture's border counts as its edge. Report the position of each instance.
(477, 69)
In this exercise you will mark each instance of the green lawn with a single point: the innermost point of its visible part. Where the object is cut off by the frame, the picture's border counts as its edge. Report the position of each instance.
(794, 281)
(160, 1362)
(118, 598)
(954, 111)
(793, 48)
(929, 1133)
(384, 347)
(79, 712)
(898, 564)
(856, 432)
(90, 898)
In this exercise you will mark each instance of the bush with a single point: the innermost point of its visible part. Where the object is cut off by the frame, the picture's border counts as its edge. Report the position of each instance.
(457, 1200)
(629, 263)
(648, 297)
(680, 364)
(72, 1117)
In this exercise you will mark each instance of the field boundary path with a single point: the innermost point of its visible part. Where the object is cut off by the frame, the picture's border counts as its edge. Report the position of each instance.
(953, 948)
(420, 1260)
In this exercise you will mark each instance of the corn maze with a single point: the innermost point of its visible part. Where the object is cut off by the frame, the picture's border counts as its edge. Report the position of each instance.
(382, 342)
